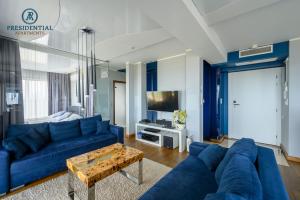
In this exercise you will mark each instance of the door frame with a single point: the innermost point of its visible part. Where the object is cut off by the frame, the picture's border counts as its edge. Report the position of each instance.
(114, 86)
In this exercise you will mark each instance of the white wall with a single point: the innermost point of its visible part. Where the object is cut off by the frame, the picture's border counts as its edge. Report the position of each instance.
(135, 95)
(140, 91)
(285, 108)
(114, 76)
(184, 74)
(171, 77)
(130, 123)
(194, 96)
(293, 148)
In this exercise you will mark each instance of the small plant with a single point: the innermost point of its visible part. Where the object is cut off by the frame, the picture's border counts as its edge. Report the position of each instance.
(179, 117)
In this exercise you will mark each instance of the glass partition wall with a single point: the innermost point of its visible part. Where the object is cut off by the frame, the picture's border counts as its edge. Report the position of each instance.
(50, 87)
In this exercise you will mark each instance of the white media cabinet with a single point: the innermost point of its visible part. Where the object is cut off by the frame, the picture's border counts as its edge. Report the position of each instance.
(181, 134)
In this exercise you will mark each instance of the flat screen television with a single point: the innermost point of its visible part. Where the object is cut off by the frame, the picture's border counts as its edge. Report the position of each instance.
(166, 101)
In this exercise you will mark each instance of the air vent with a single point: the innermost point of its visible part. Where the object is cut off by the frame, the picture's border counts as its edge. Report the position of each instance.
(256, 51)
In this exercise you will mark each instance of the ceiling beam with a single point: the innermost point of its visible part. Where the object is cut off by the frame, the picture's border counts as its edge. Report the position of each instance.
(180, 18)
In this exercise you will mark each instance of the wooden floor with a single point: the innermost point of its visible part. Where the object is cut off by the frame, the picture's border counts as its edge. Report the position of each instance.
(164, 156)
(170, 158)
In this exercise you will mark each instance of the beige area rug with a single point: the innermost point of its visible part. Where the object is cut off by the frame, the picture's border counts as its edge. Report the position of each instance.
(114, 187)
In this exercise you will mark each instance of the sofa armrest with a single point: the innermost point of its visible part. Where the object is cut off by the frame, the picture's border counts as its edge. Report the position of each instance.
(196, 148)
(269, 175)
(119, 132)
(4, 170)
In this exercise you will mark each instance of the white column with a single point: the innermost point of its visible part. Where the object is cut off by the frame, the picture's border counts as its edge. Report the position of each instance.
(194, 96)
(293, 136)
(129, 99)
(140, 93)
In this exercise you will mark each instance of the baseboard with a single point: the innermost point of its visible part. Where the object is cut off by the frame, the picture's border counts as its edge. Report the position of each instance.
(218, 141)
(286, 155)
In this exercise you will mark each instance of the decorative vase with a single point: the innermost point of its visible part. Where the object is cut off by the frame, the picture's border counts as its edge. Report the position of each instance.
(188, 143)
(179, 126)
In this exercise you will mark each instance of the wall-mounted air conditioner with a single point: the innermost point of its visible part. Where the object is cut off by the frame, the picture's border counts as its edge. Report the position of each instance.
(256, 51)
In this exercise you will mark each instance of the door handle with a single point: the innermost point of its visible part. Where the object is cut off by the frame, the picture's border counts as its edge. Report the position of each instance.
(235, 103)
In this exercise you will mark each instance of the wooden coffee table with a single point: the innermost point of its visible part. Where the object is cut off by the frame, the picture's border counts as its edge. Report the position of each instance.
(94, 166)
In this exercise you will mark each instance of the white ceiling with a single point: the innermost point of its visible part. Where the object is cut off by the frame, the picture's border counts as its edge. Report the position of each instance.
(143, 30)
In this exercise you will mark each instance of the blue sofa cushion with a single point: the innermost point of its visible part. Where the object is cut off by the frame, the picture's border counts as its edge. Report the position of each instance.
(103, 127)
(4, 170)
(89, 125)
(33, 140)
(190, 179)
(53, 157)
(223, 196)
(244, 147)
(212, 156)
(16, 147)
(117, 131)
(16, 130)
(240, 177)
(64, 130)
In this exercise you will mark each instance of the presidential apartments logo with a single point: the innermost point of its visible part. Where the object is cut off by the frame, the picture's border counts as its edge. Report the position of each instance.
(30, 27)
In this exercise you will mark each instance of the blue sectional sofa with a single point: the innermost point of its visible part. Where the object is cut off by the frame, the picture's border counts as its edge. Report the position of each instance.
(243, 172)
(66, 139)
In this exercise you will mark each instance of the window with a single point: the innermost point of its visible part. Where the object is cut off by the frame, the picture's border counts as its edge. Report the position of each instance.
(35, 94)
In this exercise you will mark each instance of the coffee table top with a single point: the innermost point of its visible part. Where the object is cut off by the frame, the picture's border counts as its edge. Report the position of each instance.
(98, 164)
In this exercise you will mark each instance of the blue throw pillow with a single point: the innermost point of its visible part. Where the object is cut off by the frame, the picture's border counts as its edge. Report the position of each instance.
(212, 156)
(103, 127)
(244, 146)
(64, 130)
(89, 125)
(33, 140)
(16, 130)
(16, 147)
(240, 177)
(223, 196)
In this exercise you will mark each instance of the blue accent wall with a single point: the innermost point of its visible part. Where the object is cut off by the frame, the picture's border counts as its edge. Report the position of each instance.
(210, 107)
(151, 85)
(223, 103)
(151, 76)
(280, 51)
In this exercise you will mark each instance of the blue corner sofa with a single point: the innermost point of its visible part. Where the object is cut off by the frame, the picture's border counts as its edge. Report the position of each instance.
(243, 172)
(66, 139)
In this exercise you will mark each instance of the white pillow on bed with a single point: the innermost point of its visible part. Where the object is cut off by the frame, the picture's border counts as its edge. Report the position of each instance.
(62, 117)
(73, 116)
(57, 114)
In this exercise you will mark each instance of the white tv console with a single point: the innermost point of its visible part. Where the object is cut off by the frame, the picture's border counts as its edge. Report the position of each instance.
(141, 126)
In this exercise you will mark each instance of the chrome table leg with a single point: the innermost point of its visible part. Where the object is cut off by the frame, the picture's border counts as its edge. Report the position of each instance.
(71, 185)
(137, 180)
(91, 193)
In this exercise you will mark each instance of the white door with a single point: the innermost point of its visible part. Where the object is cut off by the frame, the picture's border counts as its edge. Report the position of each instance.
(254, 105)
(120, 104)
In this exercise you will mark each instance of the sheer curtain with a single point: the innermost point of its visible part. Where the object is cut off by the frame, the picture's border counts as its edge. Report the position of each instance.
(35, 92)
(58, 92)
(10, 85)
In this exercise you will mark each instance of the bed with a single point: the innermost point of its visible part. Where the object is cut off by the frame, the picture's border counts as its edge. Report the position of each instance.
(56, 117)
